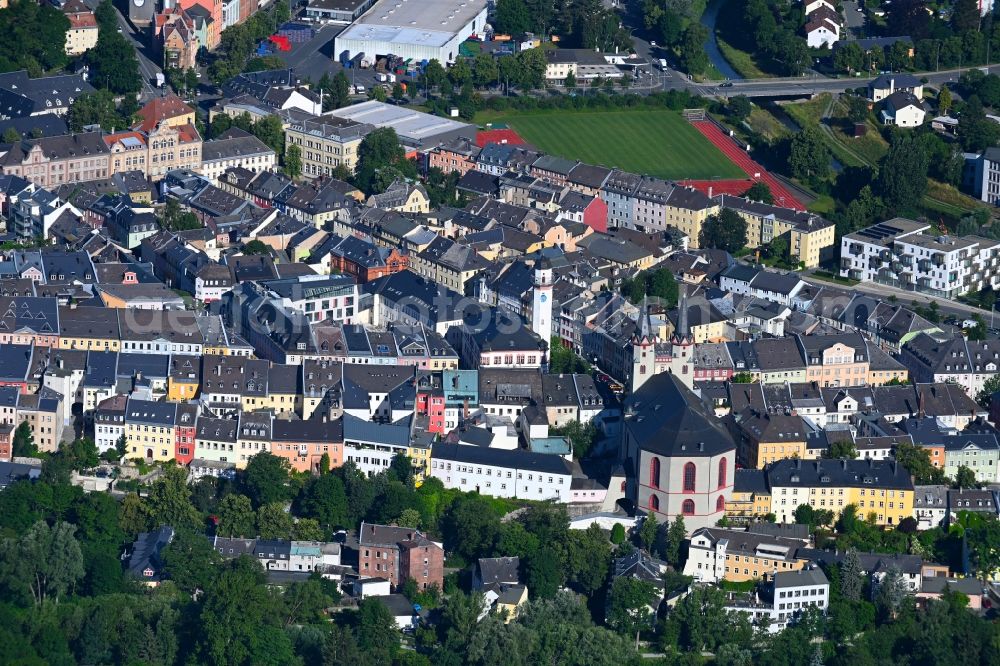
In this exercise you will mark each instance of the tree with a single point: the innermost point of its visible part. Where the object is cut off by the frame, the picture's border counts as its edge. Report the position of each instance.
(325, 499)
(293, 162)
(648, 531)
(377, 631)
(34, 38)
(308, 529)
(236, 517)
(849, 57)
(857, 107)
(434, 74)
(401, 467)
(133, 515)
(841, 449)
(976, 132)
(114, 65)
(274, 522)
(985, 395)
(676, 534)
(759, 191)
(96, 108)
(617, 534)
(851, 576)
(891, 592)
(235, 613)
(512, 17)
(176, 219)
(24, 442)
(902, 177)
(693, 57)
(190, 561)
(341, 648)
(965, 478)
(742, 378)
(944, 100)
(983, 537)
(965, 16)
(740, 108)
(485, 70)
(265, 479)
(170, 500)
(570, 80)
(581, 435)
(543, 573)
(270, 130)
(45, 561)
(629, 603)
(254, 247)
(11, 135)
(725, 231)
(917, 461)
(809, 156)
(381, 161)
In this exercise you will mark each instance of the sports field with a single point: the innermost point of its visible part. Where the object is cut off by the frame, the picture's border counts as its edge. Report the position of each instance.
(657, 142)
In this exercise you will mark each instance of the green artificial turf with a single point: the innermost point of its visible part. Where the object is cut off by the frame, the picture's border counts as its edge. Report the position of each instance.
(655, 142)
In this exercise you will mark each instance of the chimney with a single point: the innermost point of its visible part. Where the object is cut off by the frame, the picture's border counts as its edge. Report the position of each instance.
(709, 191)
(920, 402)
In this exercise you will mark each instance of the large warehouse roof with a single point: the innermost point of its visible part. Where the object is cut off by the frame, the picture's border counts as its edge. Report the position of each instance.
(411, 126)
(424, 22)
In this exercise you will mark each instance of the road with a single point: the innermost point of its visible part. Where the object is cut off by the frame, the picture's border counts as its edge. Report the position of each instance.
(148, 68)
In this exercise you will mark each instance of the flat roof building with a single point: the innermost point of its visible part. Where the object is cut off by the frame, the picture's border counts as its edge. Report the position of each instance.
(416, 130)
(424, 30)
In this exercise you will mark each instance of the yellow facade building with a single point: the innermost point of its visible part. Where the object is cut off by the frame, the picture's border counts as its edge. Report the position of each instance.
(879, 488)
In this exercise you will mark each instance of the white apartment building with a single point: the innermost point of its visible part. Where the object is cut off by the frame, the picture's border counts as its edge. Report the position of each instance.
(786, 597)
(502, 473)
(898, 253)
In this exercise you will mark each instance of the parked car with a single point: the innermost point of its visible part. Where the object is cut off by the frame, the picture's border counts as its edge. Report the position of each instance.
(727, 84)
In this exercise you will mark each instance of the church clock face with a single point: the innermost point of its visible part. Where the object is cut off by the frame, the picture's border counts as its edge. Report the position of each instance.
(139, 3)
(543, 298)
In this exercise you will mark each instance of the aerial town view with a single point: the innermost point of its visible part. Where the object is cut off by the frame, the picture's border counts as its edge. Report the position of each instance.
(499, 332)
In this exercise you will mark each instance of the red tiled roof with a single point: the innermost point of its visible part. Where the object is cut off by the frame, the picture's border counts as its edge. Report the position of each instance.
(110, 139)
(162, 108)
(187, 133)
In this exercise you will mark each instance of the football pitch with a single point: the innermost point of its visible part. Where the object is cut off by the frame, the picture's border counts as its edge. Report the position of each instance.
(657, 142)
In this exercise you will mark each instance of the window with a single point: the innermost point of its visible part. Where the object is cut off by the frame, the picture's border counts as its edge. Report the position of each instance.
(687, 507)
(689, 477)
(722, 473)
(654, 472)
(720, 504)
(654, 503)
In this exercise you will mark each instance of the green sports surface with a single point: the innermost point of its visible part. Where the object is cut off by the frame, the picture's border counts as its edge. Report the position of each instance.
(656, 142)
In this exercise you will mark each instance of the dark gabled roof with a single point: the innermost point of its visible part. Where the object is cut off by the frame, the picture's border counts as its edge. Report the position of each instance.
(882, 474)
(750, 481)
(513, 459)
(667, 419)
(778, 354)
(499, 569)
(900, 80)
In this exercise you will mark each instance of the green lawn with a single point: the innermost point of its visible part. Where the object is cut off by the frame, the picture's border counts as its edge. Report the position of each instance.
(655, 142)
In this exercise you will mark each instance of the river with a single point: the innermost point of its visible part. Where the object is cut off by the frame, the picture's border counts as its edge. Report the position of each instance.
(712, 45)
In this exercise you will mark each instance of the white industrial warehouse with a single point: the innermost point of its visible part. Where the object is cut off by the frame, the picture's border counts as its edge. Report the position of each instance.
(414, 29)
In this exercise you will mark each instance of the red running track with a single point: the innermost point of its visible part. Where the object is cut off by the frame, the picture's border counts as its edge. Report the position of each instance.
(782, 195)
(716, 187)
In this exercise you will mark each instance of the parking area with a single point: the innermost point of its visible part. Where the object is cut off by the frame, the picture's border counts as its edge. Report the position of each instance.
(853, 18)
(312, 59)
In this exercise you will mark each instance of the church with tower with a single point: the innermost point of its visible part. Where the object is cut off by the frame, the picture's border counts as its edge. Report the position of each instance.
(651, 356)
(679, 459)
